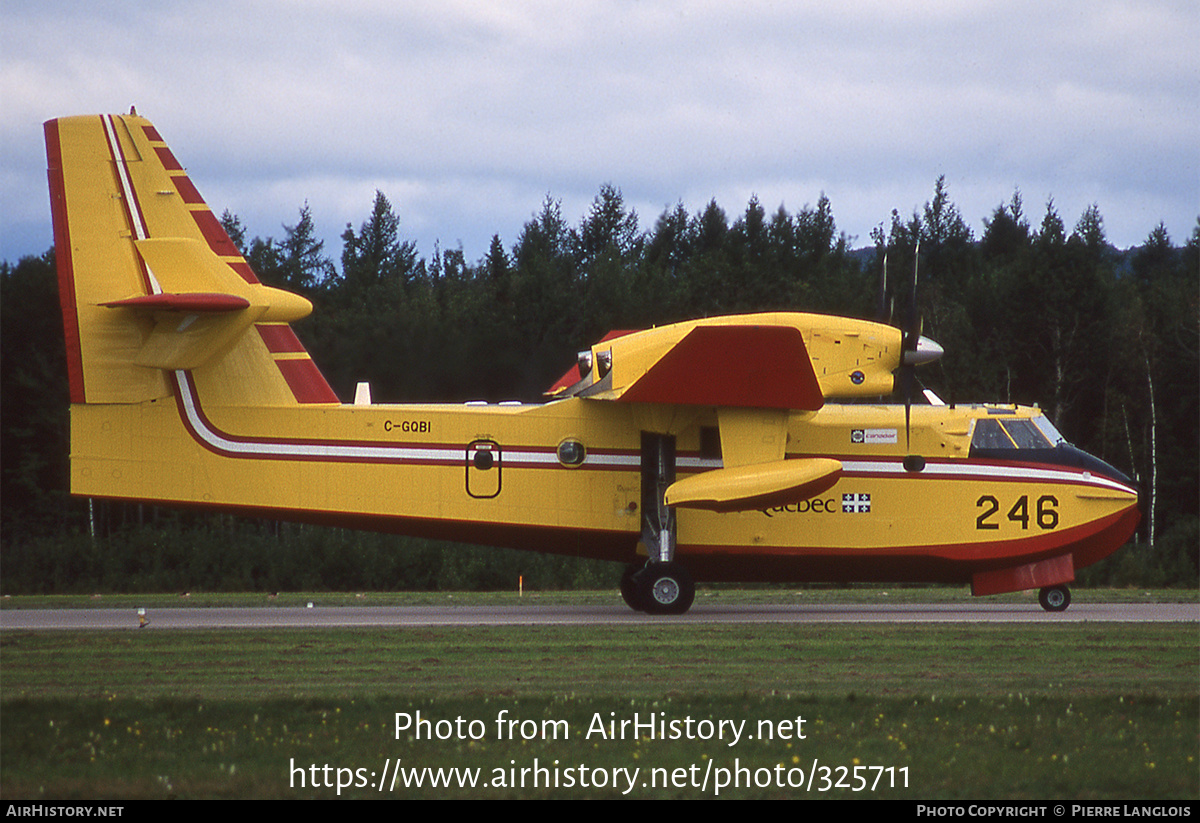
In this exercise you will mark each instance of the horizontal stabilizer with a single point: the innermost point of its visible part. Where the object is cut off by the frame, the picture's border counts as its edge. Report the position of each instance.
(759, 486)
(200, 302)
(204, 306)
(184, 267)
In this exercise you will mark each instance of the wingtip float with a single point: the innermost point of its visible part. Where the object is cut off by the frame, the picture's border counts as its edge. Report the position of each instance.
(715, 449)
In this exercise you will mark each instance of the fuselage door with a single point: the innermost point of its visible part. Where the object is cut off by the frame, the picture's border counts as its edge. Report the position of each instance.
(484, 468)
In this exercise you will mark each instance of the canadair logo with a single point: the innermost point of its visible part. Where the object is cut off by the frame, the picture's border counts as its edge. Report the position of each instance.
(873, 436)
(856, 503)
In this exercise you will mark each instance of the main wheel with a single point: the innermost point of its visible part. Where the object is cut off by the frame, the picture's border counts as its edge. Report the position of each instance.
(665, 588)
(630, 591)
(1055, 598)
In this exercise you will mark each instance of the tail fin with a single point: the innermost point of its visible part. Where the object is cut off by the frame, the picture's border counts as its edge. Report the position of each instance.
(151, 284)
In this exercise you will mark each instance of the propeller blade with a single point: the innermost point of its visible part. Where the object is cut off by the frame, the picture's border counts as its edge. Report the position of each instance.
(912, 304)
(882, 312)
(909, 378)
(910, 343)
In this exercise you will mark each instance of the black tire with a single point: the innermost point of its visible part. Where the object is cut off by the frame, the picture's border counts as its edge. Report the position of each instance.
(665, 588)
(1055, 598)
(630, 591)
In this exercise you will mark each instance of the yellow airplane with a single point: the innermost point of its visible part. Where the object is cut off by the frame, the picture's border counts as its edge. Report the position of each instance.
(699, 451)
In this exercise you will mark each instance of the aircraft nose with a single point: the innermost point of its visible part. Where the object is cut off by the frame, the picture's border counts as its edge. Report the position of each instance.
(927, 351)
(1068, 455)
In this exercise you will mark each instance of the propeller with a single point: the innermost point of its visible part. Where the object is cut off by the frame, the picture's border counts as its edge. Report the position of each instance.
(908, 346)
(915, 350)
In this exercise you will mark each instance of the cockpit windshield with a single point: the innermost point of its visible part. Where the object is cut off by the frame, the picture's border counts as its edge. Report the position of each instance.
(1047, 428)
(1004, 436)
(1015, 433)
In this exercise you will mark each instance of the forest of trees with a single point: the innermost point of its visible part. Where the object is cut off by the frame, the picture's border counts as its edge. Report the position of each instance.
(1029, 311)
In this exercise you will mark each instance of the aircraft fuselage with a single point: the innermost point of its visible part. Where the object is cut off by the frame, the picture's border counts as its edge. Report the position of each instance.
(566, 476)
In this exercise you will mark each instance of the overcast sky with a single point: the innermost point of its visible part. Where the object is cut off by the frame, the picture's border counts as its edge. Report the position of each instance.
(467, 113)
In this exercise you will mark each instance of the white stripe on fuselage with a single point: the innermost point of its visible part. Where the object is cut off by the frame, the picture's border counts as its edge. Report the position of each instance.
(969, 469)
(332, 450)
(397, 453)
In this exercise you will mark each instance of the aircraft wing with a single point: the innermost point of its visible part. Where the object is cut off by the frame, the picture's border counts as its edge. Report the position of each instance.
(754, 371)
(739, 366)
(763, 361)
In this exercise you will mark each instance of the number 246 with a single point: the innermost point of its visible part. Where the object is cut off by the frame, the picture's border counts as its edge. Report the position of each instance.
(1046, 512)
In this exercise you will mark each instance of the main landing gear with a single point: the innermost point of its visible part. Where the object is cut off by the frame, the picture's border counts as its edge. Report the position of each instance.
(661, 586)
(658, 588)
(1055, 598)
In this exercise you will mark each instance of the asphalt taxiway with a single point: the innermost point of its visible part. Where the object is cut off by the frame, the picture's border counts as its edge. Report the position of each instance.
(541, 615)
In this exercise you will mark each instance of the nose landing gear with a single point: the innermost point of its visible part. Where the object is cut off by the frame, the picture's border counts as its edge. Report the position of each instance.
(1055, 598)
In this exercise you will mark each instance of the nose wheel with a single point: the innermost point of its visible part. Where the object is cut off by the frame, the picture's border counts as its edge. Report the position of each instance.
(1055, 598)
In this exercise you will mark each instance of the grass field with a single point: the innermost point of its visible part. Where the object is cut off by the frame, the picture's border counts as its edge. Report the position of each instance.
(1067, 711)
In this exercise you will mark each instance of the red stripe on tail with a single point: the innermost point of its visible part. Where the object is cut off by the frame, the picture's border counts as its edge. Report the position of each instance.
(65, 265)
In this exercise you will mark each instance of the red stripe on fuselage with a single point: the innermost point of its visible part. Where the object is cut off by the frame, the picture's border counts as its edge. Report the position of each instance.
(1008, 470)
(317, 450)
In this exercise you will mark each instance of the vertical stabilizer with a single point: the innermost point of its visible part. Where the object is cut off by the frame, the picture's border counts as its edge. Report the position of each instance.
(152, 286)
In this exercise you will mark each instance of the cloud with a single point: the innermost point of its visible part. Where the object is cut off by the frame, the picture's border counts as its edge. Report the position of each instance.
(460, 110)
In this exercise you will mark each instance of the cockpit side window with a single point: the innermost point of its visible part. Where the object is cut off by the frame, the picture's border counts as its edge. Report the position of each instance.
(991, 433)
(1025, 434)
